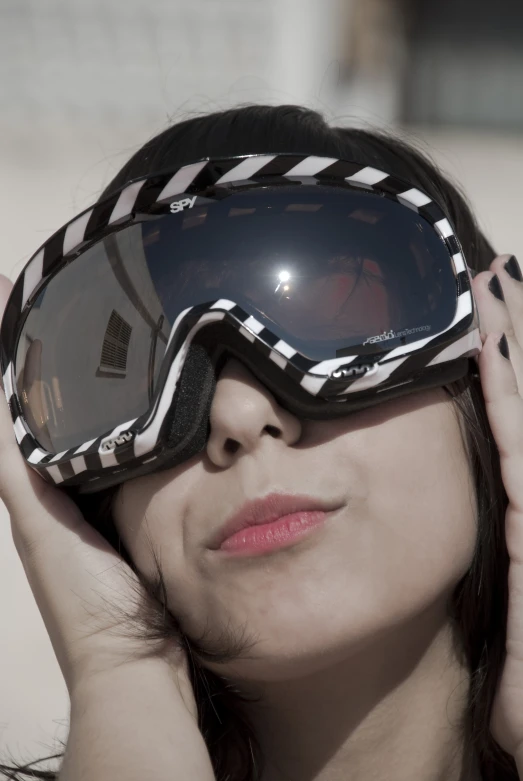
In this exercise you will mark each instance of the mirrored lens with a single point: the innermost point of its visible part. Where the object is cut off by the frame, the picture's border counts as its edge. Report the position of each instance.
(325, 269)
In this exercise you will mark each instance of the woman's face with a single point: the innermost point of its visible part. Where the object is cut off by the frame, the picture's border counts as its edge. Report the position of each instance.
(402, 538)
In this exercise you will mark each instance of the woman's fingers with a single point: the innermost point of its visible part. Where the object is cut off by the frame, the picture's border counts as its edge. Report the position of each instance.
(79, 581)
(502, 316)
(14, 480)
(5, 291)
(32, 502)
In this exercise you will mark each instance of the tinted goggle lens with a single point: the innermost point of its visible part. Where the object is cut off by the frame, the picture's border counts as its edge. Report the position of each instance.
(325, 269)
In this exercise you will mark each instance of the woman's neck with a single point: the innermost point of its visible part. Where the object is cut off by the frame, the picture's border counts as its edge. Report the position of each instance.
(395, 710)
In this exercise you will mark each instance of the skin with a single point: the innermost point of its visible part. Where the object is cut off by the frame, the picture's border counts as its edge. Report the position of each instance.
(368, 681)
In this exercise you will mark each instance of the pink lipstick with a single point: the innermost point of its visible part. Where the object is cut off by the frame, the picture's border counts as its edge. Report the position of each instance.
(269, 536)
(275, 521)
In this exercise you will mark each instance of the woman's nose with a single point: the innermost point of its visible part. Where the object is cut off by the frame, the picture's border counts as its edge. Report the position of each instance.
(244, 412)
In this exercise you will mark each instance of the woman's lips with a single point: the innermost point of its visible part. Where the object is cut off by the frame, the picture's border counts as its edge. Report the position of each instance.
(255, 540)
(276, 520)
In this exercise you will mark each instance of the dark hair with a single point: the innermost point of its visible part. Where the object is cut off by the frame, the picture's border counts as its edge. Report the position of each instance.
(479, 604)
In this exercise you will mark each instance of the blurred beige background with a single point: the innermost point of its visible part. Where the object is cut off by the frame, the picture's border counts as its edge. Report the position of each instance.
(83, 83)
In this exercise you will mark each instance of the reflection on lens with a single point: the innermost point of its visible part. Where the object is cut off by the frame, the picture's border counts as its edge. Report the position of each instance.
(325, 269)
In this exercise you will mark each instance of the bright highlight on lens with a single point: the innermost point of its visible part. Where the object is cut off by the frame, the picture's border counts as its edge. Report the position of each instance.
(283, 276)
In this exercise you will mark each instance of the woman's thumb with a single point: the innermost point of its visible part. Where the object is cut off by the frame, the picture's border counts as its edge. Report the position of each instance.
(5, 291)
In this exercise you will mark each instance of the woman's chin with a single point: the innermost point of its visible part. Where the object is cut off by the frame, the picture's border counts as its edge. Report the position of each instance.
(271, 662)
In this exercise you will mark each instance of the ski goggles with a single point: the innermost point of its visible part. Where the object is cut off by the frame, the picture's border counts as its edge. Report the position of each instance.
(338, 286)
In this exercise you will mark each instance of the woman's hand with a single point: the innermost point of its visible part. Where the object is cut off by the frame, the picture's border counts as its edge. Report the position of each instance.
(76, 576)
(502, 384)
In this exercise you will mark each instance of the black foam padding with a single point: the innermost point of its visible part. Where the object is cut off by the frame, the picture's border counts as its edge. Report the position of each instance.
(186, 425)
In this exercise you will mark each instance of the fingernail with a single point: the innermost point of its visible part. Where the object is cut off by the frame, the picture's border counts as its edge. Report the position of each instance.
(512, 268)
(503, 347)
(495, 287)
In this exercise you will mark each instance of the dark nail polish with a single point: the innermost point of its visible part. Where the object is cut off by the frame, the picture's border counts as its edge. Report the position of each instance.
(512, 268)
(495, 287)
(503, 347)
